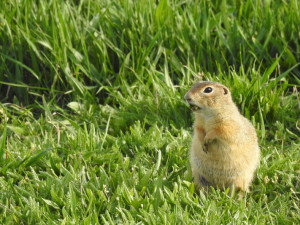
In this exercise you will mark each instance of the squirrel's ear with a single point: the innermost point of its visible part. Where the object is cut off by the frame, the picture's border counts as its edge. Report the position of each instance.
(225, 91)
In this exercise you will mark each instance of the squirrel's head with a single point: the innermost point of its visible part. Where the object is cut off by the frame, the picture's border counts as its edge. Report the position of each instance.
(208, 97)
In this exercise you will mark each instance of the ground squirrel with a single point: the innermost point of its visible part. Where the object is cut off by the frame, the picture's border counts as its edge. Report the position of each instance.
(224, 151)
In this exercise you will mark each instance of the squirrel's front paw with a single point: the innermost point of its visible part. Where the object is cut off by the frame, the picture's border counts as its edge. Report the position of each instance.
(204, 148)
(207, 141)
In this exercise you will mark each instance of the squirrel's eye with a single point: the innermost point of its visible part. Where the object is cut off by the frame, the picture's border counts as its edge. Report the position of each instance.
(208, 90)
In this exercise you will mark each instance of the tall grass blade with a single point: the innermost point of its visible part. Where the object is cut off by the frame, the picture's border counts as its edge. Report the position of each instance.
(20, 64)
(3, 136)
(34, 159)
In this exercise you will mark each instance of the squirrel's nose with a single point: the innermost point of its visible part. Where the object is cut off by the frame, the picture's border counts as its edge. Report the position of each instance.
(187, 97)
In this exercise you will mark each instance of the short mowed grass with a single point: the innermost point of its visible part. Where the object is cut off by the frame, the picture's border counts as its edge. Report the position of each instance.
(94, 128)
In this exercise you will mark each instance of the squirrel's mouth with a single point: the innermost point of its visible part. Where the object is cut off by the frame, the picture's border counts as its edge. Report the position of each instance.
(195, 107)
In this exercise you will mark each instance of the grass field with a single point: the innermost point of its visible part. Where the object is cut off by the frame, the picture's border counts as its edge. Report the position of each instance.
(94, 128)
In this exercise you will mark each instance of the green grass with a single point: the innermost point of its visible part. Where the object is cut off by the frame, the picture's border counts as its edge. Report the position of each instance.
(94, 128)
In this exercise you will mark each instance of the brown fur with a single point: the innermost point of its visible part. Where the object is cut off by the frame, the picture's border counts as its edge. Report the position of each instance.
(224, 151)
